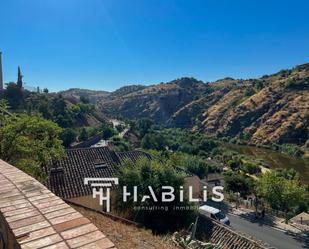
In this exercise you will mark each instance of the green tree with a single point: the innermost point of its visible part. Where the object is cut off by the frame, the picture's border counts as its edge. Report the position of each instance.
(14, 95)
(4, 111)
(146, 173)
(59, 105)
(193, 164)
(142, 126)
(290, 174)
(238, 183)
(83, 135)
(281, 193)
(120, 128)
(107, 132)
(153, 141)
(120, 144)
(68, 136)
(30, 143)
(233, 164)
(250, 168)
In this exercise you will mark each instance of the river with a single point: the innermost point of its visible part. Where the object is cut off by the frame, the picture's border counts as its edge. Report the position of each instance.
(275, 159)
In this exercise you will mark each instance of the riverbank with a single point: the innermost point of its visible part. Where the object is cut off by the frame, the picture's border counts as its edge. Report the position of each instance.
(274, 159)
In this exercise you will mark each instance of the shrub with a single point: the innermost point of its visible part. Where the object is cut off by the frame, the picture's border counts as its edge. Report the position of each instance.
(68, 136)
(233, 164)
(250, 168)
(238, 183)
(292, 150)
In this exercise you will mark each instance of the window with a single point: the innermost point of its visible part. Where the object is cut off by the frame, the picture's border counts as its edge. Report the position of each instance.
(100, 165)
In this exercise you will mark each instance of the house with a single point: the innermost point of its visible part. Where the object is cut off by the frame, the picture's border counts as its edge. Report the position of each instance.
(214, 179)
(66, 177)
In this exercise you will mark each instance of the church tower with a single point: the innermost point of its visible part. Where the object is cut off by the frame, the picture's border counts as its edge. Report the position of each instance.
(1, 75)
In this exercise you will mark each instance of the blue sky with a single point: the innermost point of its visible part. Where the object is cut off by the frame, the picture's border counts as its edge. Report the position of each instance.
(105, 44)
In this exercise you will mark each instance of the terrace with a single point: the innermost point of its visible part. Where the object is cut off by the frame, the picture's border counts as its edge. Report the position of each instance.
(31, 216)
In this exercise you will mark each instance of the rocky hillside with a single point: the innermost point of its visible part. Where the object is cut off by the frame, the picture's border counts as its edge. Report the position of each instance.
(158, 102)
(273, 108)
(92, 95)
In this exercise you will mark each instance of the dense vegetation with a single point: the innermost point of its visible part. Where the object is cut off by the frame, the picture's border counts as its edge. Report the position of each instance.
(283, 192)
(246, 175)
(78, 118)
(29, 142)
(155, 214)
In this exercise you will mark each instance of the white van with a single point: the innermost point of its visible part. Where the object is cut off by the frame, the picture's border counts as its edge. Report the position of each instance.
(214, 213)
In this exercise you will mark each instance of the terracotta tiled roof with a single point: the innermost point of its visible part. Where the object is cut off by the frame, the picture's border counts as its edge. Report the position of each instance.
(36, 218)
(66, 177)
(133, 155)
(214, 177)
(225, 236)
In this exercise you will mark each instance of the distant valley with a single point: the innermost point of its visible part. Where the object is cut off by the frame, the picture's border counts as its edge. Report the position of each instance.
(270, 109)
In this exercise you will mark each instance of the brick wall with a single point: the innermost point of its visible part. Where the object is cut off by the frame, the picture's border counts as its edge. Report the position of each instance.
(33, 217)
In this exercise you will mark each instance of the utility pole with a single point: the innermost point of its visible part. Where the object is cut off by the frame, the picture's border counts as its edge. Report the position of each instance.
(1, 75)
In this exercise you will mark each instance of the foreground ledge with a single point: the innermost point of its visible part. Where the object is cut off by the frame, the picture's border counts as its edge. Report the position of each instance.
(33, 217)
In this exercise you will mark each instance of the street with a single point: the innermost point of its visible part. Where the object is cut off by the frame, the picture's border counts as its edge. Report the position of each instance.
(273, 237)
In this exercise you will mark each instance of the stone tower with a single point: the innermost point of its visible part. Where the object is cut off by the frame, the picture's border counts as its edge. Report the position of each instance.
(19, 78)
(1, 75)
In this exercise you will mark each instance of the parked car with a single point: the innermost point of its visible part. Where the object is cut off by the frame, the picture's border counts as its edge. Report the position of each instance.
(214, 213)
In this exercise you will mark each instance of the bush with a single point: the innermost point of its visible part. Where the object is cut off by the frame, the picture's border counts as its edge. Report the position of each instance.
(292, 150)
(233, 164)
(251, 168)
(120, 144)
(297, 83)
(238, 183)
(68, 136)
(142, 126)
(83, 135)
(179, 140)
(196, 166)
(153, 141)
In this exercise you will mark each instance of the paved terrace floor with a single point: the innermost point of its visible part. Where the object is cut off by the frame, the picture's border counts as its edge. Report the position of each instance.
(39, 219)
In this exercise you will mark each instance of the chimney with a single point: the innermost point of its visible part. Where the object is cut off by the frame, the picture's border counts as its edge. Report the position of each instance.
(57, 175)
(1, 75)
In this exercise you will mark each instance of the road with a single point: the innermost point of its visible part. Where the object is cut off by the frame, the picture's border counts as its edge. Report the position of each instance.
(274, 237)
(115, 122)
(118, 122)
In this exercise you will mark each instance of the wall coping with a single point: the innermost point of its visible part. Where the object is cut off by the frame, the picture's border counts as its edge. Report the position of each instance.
(39, 219)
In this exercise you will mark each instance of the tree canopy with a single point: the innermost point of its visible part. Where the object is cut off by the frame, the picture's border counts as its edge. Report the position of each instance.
(281, 193)
(30, 143)
(146, 173)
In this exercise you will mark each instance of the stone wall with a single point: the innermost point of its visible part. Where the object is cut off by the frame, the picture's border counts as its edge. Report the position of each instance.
(7, 239)
(33, 217)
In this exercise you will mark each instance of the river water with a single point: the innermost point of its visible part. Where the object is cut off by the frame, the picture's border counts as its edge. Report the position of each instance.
(275, 159)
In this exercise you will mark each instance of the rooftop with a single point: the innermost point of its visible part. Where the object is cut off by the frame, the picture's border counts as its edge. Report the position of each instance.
(36, 218)
(67, 175)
